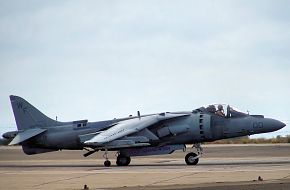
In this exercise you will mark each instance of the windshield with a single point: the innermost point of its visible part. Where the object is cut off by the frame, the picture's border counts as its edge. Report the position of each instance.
(224, 110)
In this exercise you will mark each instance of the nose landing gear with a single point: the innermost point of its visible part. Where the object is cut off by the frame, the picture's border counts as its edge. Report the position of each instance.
(193, 158)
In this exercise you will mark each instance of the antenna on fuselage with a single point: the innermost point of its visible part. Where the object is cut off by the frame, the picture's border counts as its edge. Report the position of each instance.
(138, 114)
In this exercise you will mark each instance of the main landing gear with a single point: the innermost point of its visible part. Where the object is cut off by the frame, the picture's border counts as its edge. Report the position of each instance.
(122, 160)
(193, 158)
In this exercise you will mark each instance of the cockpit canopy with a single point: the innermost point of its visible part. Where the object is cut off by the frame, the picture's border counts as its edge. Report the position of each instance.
(224, 110)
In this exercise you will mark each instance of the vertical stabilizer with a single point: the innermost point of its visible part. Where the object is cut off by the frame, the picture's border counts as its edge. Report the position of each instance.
(27, 116)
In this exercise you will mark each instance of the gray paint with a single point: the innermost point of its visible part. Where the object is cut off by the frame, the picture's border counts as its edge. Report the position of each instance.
(165, 129)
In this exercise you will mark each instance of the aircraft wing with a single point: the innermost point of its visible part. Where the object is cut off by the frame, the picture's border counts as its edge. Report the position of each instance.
(109, 138)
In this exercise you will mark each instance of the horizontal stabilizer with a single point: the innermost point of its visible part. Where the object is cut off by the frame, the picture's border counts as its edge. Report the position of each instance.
(25, 135)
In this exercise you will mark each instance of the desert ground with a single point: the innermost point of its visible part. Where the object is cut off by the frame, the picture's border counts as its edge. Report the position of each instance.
(221, 167)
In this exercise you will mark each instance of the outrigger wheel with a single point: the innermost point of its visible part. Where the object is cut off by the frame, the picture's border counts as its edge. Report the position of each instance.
(123, 160)
(191, 159)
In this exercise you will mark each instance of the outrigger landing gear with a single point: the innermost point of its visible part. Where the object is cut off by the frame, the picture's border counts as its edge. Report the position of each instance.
(193, 158)
(107, 163)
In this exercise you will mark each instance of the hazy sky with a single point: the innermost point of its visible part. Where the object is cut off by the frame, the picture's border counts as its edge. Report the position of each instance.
(98, 60)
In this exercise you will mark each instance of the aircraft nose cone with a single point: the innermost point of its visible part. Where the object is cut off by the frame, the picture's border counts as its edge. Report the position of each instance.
(281, 125)
(274, 125)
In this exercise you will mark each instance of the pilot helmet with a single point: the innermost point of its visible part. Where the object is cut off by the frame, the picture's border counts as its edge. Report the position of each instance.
(211, 108)
(220, 107)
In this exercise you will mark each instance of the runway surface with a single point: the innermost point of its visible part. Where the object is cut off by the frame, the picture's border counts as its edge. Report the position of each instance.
(225, 166)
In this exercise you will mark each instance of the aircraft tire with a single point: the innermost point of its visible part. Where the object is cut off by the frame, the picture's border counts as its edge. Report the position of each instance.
(189, 159)
(123, 160)
(107, 163)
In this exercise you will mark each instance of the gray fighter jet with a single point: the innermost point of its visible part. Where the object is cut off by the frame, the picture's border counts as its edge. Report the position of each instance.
(140, 135)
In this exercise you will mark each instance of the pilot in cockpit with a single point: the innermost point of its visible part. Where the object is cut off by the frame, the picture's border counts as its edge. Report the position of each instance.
(220, 111)
(211, 109)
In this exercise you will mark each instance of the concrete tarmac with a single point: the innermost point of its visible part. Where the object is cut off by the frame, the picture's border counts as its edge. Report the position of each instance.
(221, 167)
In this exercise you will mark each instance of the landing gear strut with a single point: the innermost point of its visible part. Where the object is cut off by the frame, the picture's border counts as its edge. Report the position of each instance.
(107, 163)
(193, 158)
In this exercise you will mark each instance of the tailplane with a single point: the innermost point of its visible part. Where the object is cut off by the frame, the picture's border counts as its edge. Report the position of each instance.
(27, 116)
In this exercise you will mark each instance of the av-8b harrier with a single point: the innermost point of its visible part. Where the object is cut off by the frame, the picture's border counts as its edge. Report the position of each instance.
(140, 135)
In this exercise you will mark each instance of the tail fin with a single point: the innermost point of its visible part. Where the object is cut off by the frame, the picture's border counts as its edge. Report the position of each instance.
(27, 116)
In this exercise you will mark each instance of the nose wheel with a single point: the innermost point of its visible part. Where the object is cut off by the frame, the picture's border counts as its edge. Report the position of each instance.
(193, 158)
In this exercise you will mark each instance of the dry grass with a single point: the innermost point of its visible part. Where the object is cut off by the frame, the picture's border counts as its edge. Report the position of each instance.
(247, 140)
